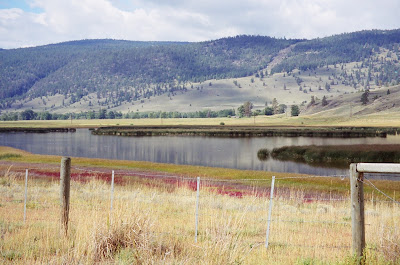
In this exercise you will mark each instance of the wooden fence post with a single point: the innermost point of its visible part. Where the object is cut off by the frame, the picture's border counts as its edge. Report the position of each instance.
(357, 212)
(65, 179)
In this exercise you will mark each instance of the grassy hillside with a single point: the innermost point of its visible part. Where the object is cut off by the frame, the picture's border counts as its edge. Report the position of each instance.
(127, 71)
(131, 77)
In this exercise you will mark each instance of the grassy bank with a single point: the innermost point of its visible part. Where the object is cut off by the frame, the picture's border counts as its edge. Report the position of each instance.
(221, 130)
(245, 131)
(338, 155)
(374, 120)
(35, 130)
(21, 159)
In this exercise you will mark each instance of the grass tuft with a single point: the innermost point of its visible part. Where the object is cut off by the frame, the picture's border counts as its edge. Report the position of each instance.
(134, 235)
(132, 241)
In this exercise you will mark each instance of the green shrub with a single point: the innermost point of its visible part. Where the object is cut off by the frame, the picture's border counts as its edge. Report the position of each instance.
(8, 156)
(263, 154)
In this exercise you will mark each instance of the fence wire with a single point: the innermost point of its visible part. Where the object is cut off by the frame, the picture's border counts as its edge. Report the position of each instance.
(209, 196)
(369, 183)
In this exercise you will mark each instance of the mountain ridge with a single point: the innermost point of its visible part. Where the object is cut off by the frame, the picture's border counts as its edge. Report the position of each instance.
(131, 75)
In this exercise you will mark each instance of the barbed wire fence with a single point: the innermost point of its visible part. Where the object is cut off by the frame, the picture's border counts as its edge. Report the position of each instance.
(270, 205)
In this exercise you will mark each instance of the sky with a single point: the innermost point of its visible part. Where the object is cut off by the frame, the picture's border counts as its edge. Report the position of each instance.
(25, 23)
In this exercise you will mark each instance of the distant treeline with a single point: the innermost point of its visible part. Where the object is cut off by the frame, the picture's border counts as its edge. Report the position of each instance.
(104, 114)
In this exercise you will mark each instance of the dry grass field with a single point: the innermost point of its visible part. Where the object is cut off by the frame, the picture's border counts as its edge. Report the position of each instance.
(154, 224)
(153, 219)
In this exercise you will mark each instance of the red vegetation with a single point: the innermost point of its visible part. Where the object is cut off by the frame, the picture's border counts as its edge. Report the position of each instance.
(169, 183)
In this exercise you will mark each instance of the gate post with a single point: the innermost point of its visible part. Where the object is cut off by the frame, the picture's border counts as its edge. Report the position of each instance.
(357, 213)
(65, 178)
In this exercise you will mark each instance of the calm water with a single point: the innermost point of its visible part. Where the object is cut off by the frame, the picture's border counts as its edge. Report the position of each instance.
(240, 153)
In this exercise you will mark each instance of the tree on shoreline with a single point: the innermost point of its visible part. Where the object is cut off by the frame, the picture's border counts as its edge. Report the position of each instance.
(245, 109)
(295, 111)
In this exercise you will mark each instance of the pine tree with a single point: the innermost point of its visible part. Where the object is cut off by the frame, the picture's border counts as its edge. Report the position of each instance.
(275, 106)
(247, 106)
(312, 102)
(364, 97)
(324, 101)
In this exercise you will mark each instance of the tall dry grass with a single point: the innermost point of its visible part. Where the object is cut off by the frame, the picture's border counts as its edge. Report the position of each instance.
(155, 225)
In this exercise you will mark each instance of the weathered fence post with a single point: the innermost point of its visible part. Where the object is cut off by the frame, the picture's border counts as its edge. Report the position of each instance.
(65, 179)
(26, 193)
(197, 209)
(357, 212)
(270, 211)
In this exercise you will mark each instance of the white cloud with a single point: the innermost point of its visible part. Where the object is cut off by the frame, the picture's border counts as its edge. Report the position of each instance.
(190, 20)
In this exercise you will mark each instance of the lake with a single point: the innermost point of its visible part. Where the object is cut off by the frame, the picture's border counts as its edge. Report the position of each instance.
(239, 153)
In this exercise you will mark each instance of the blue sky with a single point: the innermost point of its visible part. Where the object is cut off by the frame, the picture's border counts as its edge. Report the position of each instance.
(22, 4)
(25, 23)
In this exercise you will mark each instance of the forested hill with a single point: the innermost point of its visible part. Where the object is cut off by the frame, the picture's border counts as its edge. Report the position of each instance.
(343, 48)
(80, 67)
(110, 73)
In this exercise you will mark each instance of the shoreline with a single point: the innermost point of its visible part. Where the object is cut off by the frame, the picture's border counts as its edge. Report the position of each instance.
(245, 131)
(19, 159)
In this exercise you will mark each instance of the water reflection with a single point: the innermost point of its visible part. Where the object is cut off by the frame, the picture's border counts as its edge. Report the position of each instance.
(240, 153)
